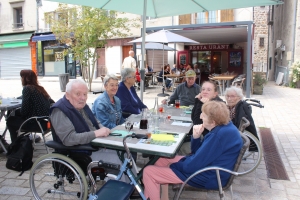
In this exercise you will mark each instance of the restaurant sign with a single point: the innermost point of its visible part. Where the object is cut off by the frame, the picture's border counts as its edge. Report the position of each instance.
(209, 47)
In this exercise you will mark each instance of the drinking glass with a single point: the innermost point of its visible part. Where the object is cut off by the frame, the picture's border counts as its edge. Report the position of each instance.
(177, 103)
(128, 126)
(183, 112)
(167, 117)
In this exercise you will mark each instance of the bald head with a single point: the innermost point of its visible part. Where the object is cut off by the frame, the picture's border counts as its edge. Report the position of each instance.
(76, 93)
(131, 53)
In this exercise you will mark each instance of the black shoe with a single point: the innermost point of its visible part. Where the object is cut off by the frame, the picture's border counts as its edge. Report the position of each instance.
(37, 138)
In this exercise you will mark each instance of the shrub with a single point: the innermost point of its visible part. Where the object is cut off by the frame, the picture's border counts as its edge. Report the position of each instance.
(295, 74)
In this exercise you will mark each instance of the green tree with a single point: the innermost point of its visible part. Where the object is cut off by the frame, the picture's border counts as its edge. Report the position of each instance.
(85, 29)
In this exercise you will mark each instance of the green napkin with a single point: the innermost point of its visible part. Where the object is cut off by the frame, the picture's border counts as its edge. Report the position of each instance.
(124, 133)
(188, 112)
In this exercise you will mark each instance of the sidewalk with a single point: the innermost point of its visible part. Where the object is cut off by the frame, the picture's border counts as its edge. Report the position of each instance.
(281, 114)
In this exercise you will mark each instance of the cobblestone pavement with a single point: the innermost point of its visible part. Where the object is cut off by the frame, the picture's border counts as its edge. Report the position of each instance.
(281, 114)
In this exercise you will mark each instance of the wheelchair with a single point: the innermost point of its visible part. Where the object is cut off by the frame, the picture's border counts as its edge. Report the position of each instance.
(58, 176)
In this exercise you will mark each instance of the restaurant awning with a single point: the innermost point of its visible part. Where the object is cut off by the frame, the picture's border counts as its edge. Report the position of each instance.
(47, 37)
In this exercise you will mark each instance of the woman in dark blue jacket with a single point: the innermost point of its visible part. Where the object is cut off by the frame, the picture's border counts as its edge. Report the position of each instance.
(220, 147)
(130, 102)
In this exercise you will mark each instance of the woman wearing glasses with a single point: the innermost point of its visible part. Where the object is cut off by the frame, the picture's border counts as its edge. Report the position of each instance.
(107, 107)
(238, 109)
(130, 102)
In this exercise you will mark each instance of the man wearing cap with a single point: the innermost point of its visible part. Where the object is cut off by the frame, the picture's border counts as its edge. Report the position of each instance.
(186, 92)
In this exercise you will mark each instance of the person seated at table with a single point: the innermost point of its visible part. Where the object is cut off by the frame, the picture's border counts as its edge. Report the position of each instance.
(209, 92)
(75, 124)
(107, 106)
(238, 109)
(176, 69)
(185, 92)
(220, 147)
(35, 102)
(168, 81)
(149, 69)
(130, 102)
(198, 73)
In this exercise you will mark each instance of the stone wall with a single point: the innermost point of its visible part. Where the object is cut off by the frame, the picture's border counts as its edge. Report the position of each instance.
(260, 55)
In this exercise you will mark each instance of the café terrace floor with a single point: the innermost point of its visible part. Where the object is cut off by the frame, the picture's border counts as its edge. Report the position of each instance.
(281, 114)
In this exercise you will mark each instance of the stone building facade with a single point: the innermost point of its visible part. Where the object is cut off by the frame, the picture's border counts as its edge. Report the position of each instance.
(284, 39)
(260, 39)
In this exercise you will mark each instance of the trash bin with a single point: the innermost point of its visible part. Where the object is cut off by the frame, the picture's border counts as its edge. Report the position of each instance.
(63, 80)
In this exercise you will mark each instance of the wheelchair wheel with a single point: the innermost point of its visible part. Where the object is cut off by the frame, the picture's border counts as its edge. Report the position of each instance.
(55, 176)
(252, 159)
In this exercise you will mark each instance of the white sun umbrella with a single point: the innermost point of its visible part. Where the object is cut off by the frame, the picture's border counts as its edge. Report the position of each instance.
(165, 8)
(155, 46)
(164, 36)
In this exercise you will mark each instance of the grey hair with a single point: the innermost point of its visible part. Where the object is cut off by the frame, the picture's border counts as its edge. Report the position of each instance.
(237, 90)
(126, 72)
(70, 84)
(108, 77)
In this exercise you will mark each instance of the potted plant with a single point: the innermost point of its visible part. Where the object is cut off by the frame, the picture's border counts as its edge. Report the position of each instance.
(295, 79)
(259, 81)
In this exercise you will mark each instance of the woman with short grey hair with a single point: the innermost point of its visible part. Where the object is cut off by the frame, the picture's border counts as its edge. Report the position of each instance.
(107, 107)
(237, 90)
(238, 109)
(130, 102)
(108, 77)
(127, 72)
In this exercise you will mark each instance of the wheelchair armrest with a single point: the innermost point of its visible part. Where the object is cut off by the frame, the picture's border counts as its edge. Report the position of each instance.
(59, 146)
(37, 119)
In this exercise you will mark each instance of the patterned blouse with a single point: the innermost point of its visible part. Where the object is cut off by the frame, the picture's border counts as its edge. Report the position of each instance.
(34, 103)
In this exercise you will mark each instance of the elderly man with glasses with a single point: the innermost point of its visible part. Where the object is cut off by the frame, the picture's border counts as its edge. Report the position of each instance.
(130, 102)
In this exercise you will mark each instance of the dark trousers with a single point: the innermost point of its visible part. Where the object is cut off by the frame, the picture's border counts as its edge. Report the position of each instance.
(13, 124)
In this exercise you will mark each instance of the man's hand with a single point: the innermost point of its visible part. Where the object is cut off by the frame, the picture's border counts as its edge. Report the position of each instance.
(164, 101)
(102, 132)
(197, 130)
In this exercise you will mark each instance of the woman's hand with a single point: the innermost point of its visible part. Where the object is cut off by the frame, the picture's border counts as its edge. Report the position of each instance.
(102, 132)
(197, 131)
(204, 100)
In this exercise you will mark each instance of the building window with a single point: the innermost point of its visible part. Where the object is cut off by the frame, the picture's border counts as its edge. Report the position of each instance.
(261, 42)
(207, 17)
(18, 18)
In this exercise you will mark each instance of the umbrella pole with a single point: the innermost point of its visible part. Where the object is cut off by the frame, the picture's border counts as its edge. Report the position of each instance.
(163, 87)
(142, 71)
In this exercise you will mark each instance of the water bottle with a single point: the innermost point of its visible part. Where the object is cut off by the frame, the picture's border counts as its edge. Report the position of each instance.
(156, 116)
(155, 109)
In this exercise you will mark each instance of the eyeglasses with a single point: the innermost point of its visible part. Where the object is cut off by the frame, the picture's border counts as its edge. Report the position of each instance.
(132, 77)
(230, 97)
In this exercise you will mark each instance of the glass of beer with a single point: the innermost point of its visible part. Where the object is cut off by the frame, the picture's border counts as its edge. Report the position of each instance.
(177, 103)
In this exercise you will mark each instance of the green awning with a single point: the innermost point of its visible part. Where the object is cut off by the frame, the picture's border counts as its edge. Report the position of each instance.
(14, 40)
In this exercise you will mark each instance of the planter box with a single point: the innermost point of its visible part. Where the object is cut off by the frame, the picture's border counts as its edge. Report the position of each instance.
(258, 89)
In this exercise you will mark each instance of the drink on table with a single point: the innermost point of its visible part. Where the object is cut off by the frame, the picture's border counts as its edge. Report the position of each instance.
(161, 109)
(144, 124)
(177, 103)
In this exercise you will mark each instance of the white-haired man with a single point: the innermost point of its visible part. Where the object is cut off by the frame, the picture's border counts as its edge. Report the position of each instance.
(75, 124)
(129, 62)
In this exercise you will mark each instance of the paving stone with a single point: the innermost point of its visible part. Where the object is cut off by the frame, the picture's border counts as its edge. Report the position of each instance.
(13, 190)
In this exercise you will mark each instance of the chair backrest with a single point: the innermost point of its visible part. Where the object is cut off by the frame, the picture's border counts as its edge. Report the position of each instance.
(239, 159)
(159, 79)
